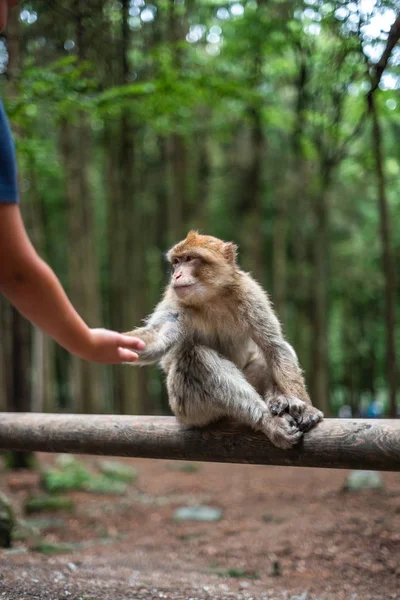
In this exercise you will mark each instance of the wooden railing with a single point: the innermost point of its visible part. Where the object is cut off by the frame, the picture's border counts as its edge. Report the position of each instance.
(333, 443)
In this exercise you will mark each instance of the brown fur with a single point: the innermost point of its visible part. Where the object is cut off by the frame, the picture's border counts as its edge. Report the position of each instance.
(221, 346)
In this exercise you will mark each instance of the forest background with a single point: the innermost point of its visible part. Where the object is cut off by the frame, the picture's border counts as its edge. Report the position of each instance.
(275, 124)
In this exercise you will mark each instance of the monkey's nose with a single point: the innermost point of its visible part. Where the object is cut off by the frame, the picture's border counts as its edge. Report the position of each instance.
(177, 275)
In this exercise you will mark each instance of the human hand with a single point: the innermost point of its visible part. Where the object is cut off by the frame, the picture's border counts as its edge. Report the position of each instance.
(110, 347)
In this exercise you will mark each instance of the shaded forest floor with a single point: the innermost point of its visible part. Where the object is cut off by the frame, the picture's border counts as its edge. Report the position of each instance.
(285, 534)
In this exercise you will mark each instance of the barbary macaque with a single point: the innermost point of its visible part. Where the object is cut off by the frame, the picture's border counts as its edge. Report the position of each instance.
(220, 344)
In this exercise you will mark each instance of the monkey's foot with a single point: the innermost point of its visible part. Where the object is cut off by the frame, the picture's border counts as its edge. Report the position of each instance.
(282, 431)
(305, 415)
(310, 417)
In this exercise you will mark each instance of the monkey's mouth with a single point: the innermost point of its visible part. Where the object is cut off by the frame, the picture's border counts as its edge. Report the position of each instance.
(182, 290)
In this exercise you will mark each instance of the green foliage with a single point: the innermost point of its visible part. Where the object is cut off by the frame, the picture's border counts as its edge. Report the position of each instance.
(19, 460)
(50, 549)
(184, 467)
(238, 574)
(207, 80)
(72, 475)
(48, 503)
(7, 522)
(104, 485)
(118, 471)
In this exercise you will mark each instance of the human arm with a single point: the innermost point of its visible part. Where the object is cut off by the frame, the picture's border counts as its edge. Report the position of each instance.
(32, 287)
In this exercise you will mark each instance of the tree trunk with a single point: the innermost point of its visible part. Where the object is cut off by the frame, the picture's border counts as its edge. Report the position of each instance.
(203, 174)
(136, 280)
(85, 378)
(176, 145)
(6, 312)
(300, 205)
(177, 162)
(279, 271)
(43, 376)
(296, 314)
(250, 205)
(117, 280)
(387, 258)
(3, 362)
(250, 202)
(126, 235)
(319, 375)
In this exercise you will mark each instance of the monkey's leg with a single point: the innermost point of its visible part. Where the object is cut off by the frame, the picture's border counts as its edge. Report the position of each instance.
(259, 374)
(203, 387)
(288, 392)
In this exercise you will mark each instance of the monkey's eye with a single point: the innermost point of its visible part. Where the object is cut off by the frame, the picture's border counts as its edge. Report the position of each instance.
(175, 261)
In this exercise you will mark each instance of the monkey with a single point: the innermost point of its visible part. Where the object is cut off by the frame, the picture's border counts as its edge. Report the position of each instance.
(220, 344)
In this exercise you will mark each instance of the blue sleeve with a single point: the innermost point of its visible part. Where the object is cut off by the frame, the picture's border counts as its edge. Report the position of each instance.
(8, 163)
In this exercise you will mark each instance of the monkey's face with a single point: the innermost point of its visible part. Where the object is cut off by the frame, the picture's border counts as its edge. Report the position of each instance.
(185, 280)
(202, 266)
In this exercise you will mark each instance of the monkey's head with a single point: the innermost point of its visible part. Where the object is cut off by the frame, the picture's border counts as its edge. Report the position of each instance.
(202, 266)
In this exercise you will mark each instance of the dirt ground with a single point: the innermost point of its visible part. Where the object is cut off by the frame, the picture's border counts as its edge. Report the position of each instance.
(285, 534)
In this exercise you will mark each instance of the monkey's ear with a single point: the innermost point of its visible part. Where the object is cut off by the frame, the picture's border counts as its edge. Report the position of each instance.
(230, 252)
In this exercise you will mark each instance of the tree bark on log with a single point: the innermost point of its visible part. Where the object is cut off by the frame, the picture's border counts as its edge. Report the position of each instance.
(333, 443)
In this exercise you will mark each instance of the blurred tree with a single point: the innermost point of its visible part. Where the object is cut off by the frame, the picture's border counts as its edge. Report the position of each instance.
(383, 207)
(244, 119)
(76, 147)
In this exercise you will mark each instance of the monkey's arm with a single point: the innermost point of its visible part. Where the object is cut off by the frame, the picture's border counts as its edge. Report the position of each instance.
(290, 391)
(161, 332)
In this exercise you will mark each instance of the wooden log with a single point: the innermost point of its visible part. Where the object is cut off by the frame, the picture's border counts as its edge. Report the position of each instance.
(334, 443)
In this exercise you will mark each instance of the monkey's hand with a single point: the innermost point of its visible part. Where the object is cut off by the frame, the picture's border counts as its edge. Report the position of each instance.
(304, 413)
(282, 431)
(158, 339)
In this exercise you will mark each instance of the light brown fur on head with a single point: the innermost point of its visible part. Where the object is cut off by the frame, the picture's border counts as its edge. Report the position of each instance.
(207, 247)
(205, 263)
